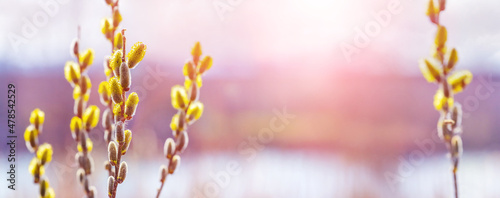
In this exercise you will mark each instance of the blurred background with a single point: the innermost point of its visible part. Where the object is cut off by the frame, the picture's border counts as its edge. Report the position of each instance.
(340, 79)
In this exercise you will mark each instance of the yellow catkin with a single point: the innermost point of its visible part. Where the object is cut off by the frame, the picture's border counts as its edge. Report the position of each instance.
(179, 97)
(87, 58)
(131, 104)
(136, 54)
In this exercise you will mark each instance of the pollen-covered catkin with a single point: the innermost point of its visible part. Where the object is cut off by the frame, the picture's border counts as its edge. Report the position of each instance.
(136, 54)
(189, 109)
(116, 90)
(43, 153)
(131, 105)
(118, 71)
(439, 69)
(85, 118)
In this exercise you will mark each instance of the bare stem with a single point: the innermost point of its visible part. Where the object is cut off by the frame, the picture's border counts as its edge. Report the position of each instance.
(159, 190)
(455, 165)
(124, 43)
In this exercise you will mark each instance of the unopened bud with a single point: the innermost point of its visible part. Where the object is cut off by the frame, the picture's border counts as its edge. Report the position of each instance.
(84, 163)
(122, 173)
(176, 160)
(111, 185)
(125, 79)
(80, 175)
(169, 148)
(89, 166)
(107, 166)
(79, 159)
(119, 131)
(107, 120)
(182, 141)
(74, 48)
(107, 135)
(163, 173)
(112, 153)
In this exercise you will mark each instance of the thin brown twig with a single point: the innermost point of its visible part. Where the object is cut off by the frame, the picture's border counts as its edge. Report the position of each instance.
(159, 190)
(455, 165)
(445, 83)
(175, 153)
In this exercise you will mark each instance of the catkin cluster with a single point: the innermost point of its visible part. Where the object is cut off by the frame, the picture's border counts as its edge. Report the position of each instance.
(439, 69)
(189, 109)
(113, 93)
(43, 153)
(109, 25)
(85, 118)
